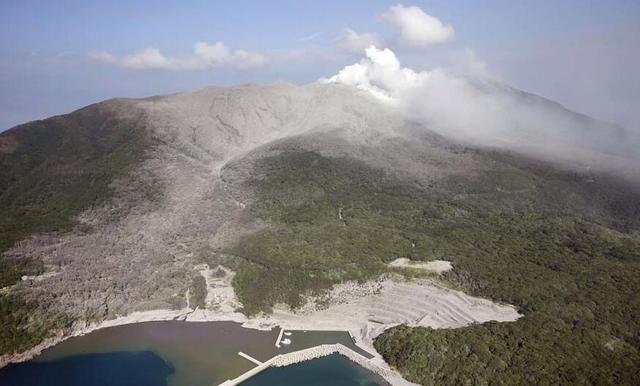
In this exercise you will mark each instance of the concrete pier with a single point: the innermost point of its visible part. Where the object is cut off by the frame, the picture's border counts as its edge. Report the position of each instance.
(279, 337)
(377, 367)
(249, 358)
(245, 376)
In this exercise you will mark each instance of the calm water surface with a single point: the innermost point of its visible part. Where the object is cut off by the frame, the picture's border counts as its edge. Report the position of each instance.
(111, 369)
(173, 353)
(333, 370)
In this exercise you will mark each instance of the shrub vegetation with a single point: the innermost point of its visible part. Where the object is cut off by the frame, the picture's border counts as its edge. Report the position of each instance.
(53, 170)
(563, 247)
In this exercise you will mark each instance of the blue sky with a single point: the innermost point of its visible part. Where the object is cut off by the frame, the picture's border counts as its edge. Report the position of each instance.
(56, 56)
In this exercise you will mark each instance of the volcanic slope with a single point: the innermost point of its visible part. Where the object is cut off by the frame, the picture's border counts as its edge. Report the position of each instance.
(297, 189)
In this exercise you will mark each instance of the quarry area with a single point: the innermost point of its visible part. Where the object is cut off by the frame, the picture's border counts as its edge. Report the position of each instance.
(365, 310)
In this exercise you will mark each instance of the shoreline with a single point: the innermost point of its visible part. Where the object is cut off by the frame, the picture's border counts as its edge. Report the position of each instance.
(362, 310)
(381, 369)
(375, 364)
(184, 315)
(134, 317)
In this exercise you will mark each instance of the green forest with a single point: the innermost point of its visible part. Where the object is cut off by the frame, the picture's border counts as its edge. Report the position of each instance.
(61, 166)
(563, 248)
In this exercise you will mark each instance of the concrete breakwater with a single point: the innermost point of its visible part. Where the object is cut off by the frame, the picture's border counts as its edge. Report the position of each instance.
(374, 365)
(325, 350)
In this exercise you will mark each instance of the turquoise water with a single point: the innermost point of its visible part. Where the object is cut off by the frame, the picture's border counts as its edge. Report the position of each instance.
(333, 370)
(174, 353)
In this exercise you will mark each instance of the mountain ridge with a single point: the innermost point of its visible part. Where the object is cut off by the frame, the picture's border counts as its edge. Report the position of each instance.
(320, 184)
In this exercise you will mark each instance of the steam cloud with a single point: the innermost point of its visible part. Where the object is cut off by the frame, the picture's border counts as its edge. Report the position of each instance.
(480, 111)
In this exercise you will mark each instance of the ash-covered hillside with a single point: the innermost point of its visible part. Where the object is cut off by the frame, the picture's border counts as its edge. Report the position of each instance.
(110, 209)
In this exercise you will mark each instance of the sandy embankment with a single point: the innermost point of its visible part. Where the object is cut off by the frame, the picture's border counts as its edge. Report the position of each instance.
(437, 266)
(365, 310)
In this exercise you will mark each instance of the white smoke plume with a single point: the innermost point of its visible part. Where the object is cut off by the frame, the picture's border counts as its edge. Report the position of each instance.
(480, 111)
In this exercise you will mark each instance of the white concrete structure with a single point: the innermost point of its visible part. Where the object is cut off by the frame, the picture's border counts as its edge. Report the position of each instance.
(374, 365)
(279, 338)
(249, 358)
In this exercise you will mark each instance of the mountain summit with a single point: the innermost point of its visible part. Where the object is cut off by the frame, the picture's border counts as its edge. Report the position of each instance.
(117, 207)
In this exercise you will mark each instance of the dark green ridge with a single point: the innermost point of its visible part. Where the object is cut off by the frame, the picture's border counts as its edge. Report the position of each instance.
(563, 247)
(50, 171)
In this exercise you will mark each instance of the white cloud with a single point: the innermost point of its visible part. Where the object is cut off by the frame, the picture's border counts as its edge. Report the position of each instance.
(204, 56)
(212, 54)
(354, 42)
(102, 57)
(244, 59)
(311, 37)
(417, 27)
(152, 58)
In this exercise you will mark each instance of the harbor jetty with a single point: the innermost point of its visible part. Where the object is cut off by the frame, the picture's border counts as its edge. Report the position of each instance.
(375, 365)
(279, 337)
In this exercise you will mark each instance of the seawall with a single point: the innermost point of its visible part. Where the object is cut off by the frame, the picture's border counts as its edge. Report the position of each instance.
(374, 365)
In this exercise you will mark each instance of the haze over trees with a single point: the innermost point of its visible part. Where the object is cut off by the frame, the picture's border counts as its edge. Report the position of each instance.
(300, 188)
